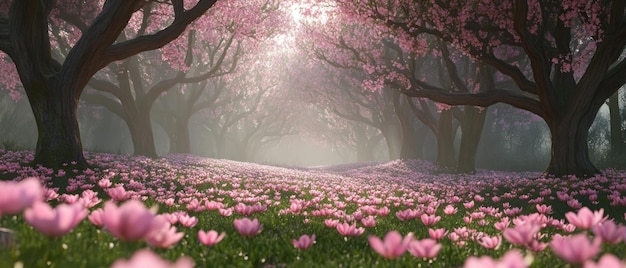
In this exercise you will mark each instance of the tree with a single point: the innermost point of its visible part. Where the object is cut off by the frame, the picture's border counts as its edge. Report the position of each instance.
(573, 48)
(54, 86)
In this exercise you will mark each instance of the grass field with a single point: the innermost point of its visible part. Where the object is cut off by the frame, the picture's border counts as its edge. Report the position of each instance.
(405, 196)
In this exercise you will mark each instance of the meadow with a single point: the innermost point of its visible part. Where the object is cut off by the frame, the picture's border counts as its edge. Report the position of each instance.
(129, 211)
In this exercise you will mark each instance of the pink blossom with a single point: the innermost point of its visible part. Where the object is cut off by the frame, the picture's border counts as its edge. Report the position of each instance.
(425, 248)
(606, 261)
(469, 205)
(226, 211)
(210, 238)
(187, 221)
(543, 209)
(609, 232)
(15, 197)
(163, 234)
(56, 221)
(437, 234)
(575, 249)
(408, 214)
(95, 216)
(392, 246)
(511, 259)
(585, 219)
(131, 221)
(449, 210)
(304, 242)
(369, 221)
(331, 223)
(346, 229)
(521, 234)
(490, 242)
(247, 227)
(384, 211)
(118, 193)
(146, 258)
(430, 220)
(104, 183)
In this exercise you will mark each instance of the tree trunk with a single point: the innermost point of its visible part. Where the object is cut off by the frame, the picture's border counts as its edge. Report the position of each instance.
(393, 136)
(412, 140)
(471, 130)
(570, 152)
(141, 133)
(617, 136)
(445, 141)
(183, 142)
(363, 152)
(58, 141)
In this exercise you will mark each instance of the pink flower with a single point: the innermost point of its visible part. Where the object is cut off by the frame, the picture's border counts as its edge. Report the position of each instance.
(187, 221)
(543, 209)
(130, 221)
(163, 234)
(15, 197)
(437, 234)
(247, 227)
(490, 242)
(331, 223)
(369, 221)
(449, 210)
(56, 221)
(147, 258)
(606, 261)
(349, 230)
(213, 205)
(408, 214)
(210, 238)
(429, 220)
(392, 246)
(585, 219)
(104, 183)
(226, 211)
(469, 205)
(304, 242)
(384, 211)
(511, 259)
(575, 249)
(118, 193)
(425, 248)
(609, 232)
(96, 217)
(536, 246)
(521, 234)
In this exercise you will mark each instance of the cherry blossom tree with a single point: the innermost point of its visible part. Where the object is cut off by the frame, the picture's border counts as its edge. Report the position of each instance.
(573, 48)
(54, 85)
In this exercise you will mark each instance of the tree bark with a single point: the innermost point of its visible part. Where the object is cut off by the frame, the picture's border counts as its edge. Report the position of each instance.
(445, 141)
(617, 136)
(141, 133)
(570, 152)
(471, 130)
(393, 136)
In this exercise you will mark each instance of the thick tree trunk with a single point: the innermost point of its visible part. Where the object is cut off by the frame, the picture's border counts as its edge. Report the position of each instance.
(412, 138)
(471, 130)
(445, 141)
(363, 152)
(570, 152)
(58, 140)
(183, 142)
(618, 147)
(141, 133)
(393, 136)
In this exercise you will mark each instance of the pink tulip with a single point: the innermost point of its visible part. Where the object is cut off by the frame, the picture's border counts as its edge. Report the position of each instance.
(210, 238)
(512, 259)
(247, 227)
(585, 219)
(425, 248)
(543, 209)
(96, 217)
(437, 234)
(392, 246)
(575, 249)
(146, 258)
(118, 193)
(17, 196)
(609, 232)
(346, 229)
(130, 221)
(490, 242)
(521, 234)
(162, 234)
(187, 221)
(368, 221)
(304, 242)
(430, 220)
(606, 261)
(331, 223)
(449, 210)
(56, 221)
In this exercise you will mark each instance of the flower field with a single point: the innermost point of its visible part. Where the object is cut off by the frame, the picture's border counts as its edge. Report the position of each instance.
(187, 211)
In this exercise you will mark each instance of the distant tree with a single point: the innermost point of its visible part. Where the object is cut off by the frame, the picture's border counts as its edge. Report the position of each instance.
(54, 86)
